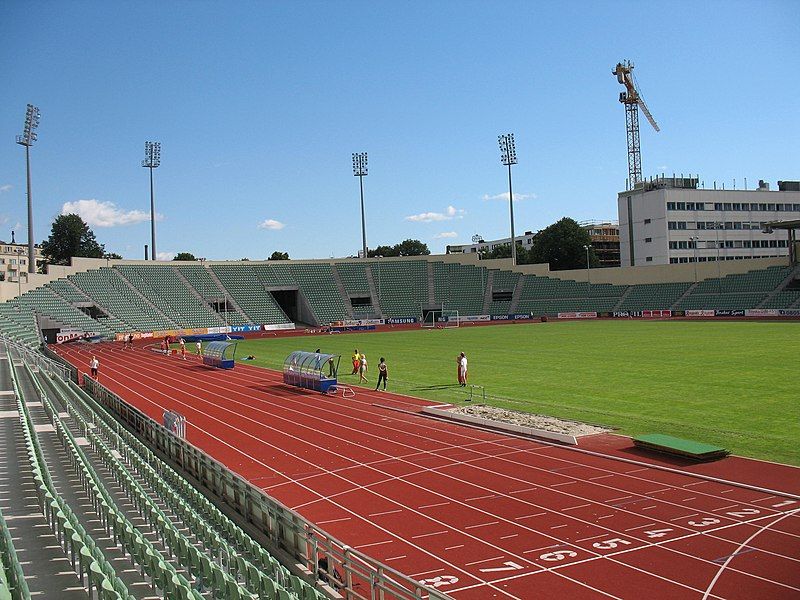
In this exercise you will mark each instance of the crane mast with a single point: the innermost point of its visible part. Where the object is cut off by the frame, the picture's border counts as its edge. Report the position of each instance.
(632, 99)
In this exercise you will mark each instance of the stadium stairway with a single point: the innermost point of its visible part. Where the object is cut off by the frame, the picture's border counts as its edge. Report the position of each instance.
(431, 285)
(793, 276)
(622, 299)
(373, 291)
(517, 295)
(487, 295)
(228, 296)
(144, 299)
(337, 281)
(685, 294)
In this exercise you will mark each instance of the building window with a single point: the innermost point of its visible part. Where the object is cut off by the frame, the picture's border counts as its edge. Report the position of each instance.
(681, 205)
(673, 261)
(727, 206)
(683, 245)
(683, 259)
(681, 224)
(672, 225)
(649, 259)
(670, 206)
(673, 245)
(717, 205)
(648, 240)
(647, 221)
(690, 206)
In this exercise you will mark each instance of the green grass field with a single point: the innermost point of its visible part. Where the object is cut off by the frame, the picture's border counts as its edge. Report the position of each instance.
(732, 384)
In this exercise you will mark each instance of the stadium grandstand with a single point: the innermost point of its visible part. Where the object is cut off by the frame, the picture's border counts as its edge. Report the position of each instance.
(141, 298)
(103, 493)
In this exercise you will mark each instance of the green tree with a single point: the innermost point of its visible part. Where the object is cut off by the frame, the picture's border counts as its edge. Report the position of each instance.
(504, 251)
(112, 256)
(279, 256)
(405, 248)
(185, 256)
(561, 245)
(412, 248)
(383, 251)
(70, 236)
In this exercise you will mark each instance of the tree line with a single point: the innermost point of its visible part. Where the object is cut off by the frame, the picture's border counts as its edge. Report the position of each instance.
(561, 245)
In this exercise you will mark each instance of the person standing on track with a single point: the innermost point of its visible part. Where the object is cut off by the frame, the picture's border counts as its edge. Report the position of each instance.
(183, 349)
(461, 360)
(94, 365)
(362, 369)
(356, 357)
(199, 347)
(383, 374)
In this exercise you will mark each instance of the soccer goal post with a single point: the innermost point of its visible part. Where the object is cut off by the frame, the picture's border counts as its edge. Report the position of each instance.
(430, 318)
(451, 318)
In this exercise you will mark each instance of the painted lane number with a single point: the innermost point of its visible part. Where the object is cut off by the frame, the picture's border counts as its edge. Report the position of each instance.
(508, 566)
(610, 544)
(558, 555)
(439, 581)
(657, 533)
(704, 522)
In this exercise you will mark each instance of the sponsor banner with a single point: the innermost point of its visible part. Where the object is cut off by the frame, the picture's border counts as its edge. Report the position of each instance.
(577, 315)
(762, 312)
(790, 312)
(277, 326)
(73, 334)
(501, 317)
(656, 314)
(176, 333)
(700, 313)
(520, 316)
(626, 314)
(471, 318)
(729, 313)
(357, 322)
(244, 328)
(401, 320)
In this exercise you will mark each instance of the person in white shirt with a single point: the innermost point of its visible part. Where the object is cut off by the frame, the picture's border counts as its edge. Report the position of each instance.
(462, 369)
(94, 364)
(199, 347)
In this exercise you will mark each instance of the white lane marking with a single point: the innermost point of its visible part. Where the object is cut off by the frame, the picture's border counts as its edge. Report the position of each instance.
(386, 512)
(422, 535)
(481, 525)
(575, 507)
(483, 560)
(432, 505)
(333, 520)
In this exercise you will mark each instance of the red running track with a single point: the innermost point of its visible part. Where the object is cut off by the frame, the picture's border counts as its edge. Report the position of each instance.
(475, 514)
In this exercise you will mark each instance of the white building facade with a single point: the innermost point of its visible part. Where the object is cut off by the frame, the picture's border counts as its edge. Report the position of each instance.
(670, 221)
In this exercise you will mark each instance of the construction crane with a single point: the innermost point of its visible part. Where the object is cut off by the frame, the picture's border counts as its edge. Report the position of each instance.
(632, 99)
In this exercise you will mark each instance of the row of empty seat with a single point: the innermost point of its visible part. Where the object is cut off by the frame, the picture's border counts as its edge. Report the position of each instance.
(158, 297)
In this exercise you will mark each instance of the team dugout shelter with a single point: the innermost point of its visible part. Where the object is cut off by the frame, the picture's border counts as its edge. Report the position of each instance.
(220, 354)
(311, 370)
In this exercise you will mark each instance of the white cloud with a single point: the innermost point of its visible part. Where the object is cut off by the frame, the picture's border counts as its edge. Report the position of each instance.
(504, 196)
(429, 217)
(271, 224)
(3, 219)
(6, 188)
(165, 255)
(445, 234)
(105, 214)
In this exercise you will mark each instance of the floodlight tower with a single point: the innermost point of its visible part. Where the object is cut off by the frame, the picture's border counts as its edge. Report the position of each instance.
(26, 139)
(360, 171)
(152, 158)
(508, 156)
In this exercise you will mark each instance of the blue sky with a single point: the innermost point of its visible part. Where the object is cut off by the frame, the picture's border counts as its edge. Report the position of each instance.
(258, 107)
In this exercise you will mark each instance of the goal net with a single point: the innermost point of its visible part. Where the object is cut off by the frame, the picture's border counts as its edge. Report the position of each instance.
(443, 318)
(451, 318)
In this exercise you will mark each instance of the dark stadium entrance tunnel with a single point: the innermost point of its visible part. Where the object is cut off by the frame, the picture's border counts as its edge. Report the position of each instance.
(287, 300)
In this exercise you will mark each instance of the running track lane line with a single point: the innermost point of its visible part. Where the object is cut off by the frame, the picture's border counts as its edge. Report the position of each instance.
(629, 565)
(348, 511)
(744, 543)
(696, 557)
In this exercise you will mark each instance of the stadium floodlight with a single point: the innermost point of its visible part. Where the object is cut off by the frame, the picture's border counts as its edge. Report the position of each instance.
(27, 138)
(152, 159)
(508, 156)
(360, 171)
